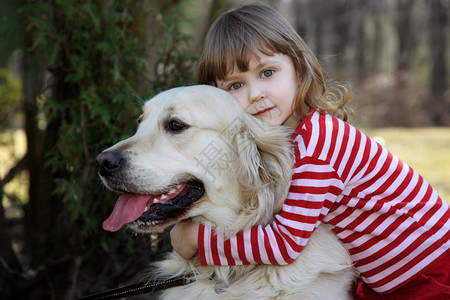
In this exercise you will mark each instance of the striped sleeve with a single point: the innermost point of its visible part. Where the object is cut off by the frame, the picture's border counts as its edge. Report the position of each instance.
(314, 188)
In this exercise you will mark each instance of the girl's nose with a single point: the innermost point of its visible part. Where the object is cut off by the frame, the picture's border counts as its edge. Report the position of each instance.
(256, 95)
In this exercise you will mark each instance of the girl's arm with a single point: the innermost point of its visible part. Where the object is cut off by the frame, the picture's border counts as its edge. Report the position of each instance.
(314, 188)
(184, 238)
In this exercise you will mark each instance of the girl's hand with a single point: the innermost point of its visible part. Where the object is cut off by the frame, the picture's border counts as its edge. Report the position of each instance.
(184, 238)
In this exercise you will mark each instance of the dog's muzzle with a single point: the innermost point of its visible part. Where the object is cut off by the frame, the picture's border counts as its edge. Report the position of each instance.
(143, 210)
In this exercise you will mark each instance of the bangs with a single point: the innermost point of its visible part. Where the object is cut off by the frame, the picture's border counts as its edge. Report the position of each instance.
(238, 53)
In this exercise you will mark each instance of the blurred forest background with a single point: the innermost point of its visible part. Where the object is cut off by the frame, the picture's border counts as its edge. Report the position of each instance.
(73, 75)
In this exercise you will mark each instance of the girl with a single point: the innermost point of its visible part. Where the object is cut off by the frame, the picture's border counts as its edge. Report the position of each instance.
(393, 223)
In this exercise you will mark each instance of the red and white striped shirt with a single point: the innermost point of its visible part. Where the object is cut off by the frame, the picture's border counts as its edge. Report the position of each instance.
(390, 219)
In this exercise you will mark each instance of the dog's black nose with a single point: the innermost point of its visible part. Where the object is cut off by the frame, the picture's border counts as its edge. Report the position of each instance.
(108, 162)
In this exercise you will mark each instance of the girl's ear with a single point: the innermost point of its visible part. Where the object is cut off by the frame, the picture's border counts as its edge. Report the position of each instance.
(262, 166)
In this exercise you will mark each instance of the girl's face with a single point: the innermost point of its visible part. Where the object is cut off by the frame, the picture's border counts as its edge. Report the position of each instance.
(267, 90)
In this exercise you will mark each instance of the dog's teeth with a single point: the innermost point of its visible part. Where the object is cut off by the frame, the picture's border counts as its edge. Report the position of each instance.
(146, 208)
(163, 197)
(171, 191)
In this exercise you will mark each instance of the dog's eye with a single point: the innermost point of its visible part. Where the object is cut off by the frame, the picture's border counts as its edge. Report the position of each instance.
(139, 120)
(176, 126)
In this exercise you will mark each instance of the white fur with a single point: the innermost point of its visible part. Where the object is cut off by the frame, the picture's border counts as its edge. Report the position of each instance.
(245, 187)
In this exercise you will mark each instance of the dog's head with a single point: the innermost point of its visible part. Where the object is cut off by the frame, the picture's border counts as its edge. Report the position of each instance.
(197, 154)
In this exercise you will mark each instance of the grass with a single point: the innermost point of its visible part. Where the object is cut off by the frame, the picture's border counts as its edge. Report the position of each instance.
(427, 150)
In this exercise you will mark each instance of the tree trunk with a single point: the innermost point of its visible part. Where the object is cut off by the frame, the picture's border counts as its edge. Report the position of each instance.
(439, 76)
(405, 40)
(216, 8)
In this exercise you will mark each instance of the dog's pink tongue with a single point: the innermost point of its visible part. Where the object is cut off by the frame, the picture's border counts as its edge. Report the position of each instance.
(128, 208)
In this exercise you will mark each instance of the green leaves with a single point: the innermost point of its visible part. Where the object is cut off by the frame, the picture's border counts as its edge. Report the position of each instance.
(97, 58)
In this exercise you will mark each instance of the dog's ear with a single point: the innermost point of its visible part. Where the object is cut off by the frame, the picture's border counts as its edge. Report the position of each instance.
(262, 165)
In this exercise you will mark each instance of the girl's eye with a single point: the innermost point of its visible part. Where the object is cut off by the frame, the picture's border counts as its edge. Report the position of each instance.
(267, 73)
(235, 86)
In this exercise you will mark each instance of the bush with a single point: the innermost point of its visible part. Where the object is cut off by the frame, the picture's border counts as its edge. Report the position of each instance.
(96, 54)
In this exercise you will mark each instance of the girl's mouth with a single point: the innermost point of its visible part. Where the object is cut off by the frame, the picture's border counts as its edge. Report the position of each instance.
(264, 111)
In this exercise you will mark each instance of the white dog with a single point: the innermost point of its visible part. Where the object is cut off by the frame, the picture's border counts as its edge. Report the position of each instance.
(197, 154)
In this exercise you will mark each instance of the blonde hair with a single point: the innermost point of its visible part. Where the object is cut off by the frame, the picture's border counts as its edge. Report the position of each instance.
(239, 34)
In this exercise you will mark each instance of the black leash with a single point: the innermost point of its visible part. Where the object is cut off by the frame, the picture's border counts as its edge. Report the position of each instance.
(138, 289)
